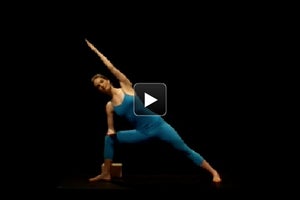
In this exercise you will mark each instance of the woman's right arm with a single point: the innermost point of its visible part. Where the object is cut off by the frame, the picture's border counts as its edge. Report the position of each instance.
(110, 119)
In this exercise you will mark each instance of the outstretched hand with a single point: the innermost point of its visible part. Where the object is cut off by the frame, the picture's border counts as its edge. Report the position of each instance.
(90, 45)
(119, 75)
(102, 57)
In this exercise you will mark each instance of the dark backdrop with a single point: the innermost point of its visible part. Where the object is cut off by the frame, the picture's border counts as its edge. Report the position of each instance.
(206, 69)
(207, 59)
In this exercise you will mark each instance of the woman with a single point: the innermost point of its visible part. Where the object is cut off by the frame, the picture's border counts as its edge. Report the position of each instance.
(146, 126)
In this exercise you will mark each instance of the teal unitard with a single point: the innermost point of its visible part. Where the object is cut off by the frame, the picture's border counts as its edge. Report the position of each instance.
(148, 126)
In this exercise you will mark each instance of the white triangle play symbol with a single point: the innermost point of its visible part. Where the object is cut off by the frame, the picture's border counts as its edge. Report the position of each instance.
(148, 99)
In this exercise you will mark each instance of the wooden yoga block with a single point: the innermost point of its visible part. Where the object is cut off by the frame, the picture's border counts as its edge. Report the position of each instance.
(115, 170)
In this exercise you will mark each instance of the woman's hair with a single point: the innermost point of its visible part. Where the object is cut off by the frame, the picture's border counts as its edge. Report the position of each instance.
(98, 76)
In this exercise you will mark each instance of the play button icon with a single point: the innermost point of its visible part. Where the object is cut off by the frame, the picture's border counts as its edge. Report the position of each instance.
(150, 99)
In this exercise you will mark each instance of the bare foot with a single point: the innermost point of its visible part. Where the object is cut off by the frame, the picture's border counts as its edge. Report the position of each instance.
(216, 178)
(104, 177)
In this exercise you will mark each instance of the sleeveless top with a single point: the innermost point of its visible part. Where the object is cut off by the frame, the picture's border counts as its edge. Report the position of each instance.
(146, 118)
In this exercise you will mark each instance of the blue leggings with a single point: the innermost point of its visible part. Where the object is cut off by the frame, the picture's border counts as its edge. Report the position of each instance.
(164, 132)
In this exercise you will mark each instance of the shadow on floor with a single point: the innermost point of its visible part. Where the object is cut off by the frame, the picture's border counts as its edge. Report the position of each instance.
(136, 185)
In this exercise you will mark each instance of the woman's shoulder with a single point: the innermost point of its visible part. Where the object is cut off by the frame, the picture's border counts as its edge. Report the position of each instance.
(128, 90)
(109, 105)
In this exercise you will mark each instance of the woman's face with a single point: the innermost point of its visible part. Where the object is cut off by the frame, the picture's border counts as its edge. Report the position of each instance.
(102, 84)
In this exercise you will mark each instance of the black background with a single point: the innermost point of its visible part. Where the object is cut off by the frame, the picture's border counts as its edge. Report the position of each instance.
(206, 55)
